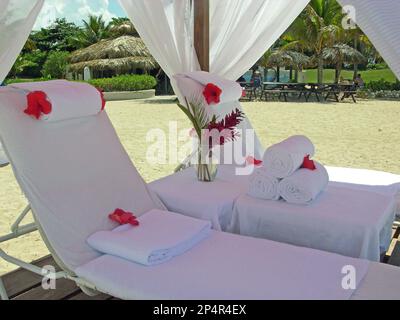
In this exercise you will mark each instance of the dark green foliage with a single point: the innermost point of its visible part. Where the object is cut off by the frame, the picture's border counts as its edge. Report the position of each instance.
(125, 83)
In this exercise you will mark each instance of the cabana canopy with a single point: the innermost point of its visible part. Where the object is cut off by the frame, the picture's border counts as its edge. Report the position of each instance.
(240, 31)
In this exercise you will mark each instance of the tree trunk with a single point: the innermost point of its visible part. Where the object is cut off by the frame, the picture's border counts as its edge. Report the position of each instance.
(278, 74)
(356, 36)
(320, 70)
(291, 73)
(296, 75)
(338, 72)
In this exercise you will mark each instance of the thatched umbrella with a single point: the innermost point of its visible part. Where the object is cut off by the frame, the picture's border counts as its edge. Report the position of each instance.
(114, 56)
(342, 53)
(287, 58)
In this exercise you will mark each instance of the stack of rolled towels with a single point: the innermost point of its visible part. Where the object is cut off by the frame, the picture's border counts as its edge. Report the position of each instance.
(284, 174)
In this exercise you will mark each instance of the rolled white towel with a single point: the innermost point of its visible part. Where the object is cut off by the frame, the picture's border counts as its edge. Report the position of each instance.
(263, 185)
(69, 100)
(160, 237)
(284, 158)
(305, 185)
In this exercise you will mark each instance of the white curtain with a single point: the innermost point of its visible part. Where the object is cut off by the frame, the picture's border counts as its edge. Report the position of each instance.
(243, 30)
(379, 20)
(17, 18)
(166, 26)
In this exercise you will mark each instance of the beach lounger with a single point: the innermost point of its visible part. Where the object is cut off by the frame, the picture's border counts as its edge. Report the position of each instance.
(75, 172)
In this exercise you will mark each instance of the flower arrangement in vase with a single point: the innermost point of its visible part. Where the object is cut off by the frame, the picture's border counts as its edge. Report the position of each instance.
(209, 130)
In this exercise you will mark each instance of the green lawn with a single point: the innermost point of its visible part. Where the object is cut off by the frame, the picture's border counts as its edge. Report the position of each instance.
(368, 76)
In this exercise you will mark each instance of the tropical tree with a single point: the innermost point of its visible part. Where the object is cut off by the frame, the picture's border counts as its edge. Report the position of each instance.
(317, 27)
(341, 53)
(56, 37)
(56, 64)
(94, 30)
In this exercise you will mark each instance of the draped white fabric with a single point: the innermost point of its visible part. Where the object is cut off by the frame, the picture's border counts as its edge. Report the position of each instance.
(166, 26)
(243, 30)
(17, 18)
(380, 22)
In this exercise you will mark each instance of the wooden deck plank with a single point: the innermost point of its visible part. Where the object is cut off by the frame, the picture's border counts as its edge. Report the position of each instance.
(83, 296)
(65, 288)
(20, 280)
(394, 260)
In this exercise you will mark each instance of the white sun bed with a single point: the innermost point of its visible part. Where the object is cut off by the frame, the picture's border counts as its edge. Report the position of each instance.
(75, 172)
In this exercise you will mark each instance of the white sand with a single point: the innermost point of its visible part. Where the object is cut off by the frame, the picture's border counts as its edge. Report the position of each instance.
(363, 135)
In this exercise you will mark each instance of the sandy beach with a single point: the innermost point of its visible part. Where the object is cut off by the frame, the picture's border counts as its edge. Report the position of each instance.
(363, 135)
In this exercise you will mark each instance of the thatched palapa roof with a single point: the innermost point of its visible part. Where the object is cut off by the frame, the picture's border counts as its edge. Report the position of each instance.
(119, 55)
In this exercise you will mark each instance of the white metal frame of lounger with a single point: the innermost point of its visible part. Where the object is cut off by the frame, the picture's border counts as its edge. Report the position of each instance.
(87, 287)
(18, 231)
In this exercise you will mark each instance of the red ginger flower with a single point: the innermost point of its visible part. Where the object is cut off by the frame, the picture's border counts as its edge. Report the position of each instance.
(122, 217)
(227, 126)
(212, 94)
(38, 104)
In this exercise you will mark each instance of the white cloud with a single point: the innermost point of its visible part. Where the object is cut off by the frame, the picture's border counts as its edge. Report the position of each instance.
(72, 10)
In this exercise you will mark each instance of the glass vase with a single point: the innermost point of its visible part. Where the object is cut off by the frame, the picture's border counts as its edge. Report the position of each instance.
(206, 166)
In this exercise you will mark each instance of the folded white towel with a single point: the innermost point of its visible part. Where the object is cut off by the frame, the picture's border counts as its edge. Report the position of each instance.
(304, 186)
(68, 99)
(231, 90)
(263, 185)
(284, 158)
(161, 236)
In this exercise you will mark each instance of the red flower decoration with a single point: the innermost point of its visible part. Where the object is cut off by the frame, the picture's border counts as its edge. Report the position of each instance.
(227, 127)
(212, 94)
(122, 217)
(253, 161)
(103, 100)
(308, 164)
(38, 104)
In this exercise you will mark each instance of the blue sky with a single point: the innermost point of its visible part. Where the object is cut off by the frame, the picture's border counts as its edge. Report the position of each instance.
(77, 10)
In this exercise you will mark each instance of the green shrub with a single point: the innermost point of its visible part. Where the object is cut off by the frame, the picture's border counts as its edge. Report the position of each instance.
(55, 66)
(21, 80)
(383, 85)
(125, 83)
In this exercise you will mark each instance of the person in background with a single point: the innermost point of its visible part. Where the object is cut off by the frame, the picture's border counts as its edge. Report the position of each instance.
(256, 79)
(359, 82)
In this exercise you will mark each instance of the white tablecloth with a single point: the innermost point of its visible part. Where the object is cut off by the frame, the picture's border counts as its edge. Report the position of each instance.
(349, 222)
(183, 193)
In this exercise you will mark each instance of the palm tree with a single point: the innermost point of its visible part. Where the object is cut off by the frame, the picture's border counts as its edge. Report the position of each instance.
(94, 30)
(342, 53)
(315, 29)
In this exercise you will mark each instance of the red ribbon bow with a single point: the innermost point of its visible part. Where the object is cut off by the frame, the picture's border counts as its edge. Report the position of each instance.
(212, 94)
(122, 217)
(38, 104)
(308, 164)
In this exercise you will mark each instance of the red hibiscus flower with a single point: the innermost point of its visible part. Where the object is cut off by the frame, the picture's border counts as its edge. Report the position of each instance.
(253, 161)
(38, 104)
(212, 94)
(309, 164)
(122, 217)
(103, 100)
